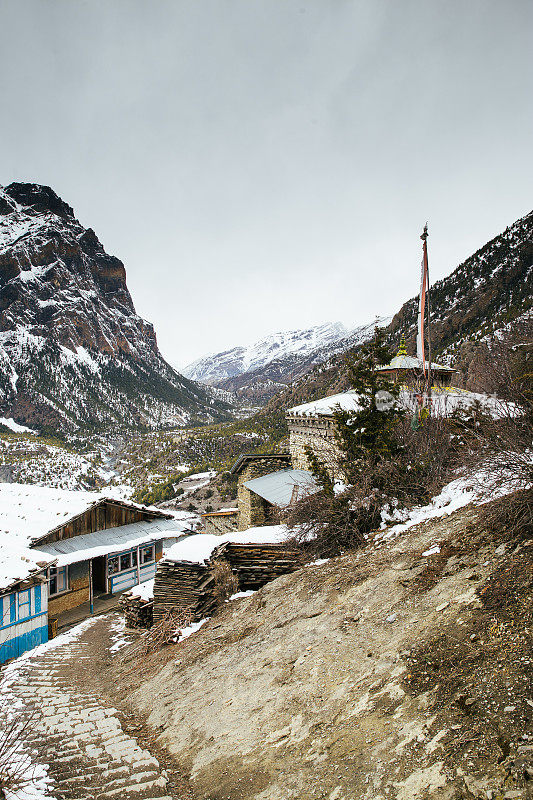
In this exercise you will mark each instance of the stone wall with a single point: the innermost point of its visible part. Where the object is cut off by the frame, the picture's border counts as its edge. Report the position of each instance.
(220, 523)
(317, 433)
(253, 510)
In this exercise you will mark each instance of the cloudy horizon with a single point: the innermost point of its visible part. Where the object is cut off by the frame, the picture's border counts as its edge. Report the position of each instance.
(268, 165)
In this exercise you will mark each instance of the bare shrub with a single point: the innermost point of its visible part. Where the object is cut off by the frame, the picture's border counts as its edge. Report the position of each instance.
(327, 524)
(504, 368)
(166, 631)
(225, 581)
(511, 515)
(16, 770)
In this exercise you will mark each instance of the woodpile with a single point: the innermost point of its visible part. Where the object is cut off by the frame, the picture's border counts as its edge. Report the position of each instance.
(196, 587)
(183, 585)
(138, 613)
(257, 564)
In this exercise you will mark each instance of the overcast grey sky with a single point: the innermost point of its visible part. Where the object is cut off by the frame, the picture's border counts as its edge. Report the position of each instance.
(262, 165)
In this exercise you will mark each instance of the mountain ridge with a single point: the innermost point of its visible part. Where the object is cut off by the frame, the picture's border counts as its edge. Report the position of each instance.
(488, 291)
(269, 365)
(74, 353)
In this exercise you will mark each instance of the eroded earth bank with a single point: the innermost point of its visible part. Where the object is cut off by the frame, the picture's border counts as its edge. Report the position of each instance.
(386, 673)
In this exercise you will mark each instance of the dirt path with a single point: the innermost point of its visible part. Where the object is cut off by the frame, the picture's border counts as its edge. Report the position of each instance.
(83, 748)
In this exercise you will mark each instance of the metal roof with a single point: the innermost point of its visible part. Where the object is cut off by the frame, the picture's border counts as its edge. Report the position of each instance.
(111, 540)
(280, 488)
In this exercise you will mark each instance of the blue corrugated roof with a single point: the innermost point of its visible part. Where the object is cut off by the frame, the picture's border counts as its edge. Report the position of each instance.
(280, 488)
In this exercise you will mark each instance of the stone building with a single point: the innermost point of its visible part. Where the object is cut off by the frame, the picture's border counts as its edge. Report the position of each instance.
(222, 521)
(311, 425)
(253, 509)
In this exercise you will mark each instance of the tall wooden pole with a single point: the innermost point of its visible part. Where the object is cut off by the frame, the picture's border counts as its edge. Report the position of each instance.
(426, 263)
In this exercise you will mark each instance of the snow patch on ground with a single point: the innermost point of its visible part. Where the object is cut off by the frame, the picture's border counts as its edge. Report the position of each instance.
(477, 488)
(118, 636)
(10, 423)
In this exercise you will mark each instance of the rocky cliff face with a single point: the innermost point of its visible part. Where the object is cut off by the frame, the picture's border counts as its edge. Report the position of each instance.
(73, 351)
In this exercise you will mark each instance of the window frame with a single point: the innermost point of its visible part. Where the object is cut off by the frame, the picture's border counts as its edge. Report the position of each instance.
(142, 561)
(21, 604)
(9, 609)
(58, 571)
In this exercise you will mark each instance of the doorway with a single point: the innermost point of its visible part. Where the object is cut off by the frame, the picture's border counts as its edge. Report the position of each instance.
(99, 576)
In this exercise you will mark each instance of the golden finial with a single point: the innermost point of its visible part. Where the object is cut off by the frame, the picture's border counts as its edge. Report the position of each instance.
(402, 351)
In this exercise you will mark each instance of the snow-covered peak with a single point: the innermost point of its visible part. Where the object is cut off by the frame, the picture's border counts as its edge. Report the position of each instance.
(240, 360)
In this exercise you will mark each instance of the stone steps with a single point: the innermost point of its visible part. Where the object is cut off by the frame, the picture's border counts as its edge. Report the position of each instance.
(86, 752)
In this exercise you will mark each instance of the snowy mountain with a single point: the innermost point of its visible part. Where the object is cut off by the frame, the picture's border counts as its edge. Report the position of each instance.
(485, 293)
(73, 351)
(258, 372)
(239, 360)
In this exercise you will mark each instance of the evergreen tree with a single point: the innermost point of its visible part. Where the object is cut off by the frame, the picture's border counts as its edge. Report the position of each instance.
(366, 436)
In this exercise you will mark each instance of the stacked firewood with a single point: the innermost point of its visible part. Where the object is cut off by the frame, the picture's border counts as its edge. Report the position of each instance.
(138, 613)
(183, 585)
(196, 587)
(257, 564)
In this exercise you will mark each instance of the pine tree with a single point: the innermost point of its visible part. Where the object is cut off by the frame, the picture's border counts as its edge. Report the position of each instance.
(366, 436)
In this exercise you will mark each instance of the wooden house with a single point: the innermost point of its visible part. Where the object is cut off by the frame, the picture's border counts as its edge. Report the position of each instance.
(94, 545)
(23, 601)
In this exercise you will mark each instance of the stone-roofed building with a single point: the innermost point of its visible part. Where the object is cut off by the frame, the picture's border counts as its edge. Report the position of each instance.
(311, 425)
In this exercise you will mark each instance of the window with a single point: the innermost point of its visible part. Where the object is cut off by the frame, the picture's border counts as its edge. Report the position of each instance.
(24, 604)
(57, 580)
(8, 609)
(125, 561)
(147, 554)
(122, 562)
(113, 565)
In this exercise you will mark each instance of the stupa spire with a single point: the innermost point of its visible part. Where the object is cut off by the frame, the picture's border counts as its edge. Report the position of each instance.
(402, 351)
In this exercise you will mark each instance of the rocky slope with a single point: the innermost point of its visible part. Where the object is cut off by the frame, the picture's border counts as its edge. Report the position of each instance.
(402, 671)
(73, 351)
(257, 373)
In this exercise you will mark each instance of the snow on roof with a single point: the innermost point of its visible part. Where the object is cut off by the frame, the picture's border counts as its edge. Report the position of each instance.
(444, 400)
(198, 548)
(412, 362)
(220, 512)
(346, 401)
(112, 540)
(28, 512)
(280, 488)
(18, 563)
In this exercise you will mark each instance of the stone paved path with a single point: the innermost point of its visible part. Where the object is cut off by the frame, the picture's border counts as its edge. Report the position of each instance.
(81, 743)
